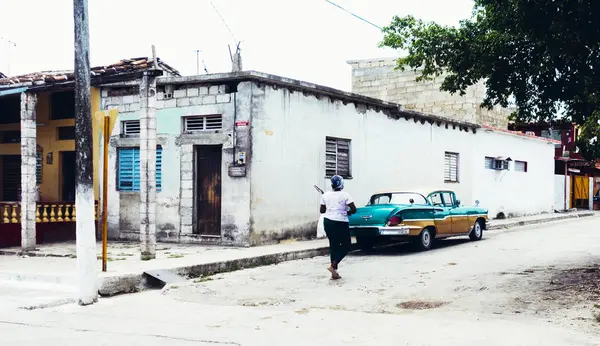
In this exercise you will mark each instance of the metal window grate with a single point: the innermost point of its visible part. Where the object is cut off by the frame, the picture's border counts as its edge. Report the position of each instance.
(130, 127)
(451, 167)
(39, 167)
(337, 157)
(202, 123)
(128, 170)
(520, 166)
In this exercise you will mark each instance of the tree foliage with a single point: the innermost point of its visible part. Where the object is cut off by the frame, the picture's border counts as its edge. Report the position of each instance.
(543, 56)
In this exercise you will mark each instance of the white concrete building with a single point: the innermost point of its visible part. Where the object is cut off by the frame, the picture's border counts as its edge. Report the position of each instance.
(238, 155)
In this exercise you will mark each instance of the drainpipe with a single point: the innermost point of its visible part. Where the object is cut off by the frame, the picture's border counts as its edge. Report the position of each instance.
(234, 126)
(566, 175)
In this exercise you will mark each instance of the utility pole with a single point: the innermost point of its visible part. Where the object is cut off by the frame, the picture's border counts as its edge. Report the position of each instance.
(84, 194)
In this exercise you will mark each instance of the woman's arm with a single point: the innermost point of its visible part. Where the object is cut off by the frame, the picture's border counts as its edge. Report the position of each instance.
(352, 209)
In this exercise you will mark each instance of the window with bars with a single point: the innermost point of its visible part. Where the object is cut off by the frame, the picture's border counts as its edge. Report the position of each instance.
(128, 169)
(451, 167)
(337, 157)
(130, 128)
(39, 158)
(202, 123)
(520, 166)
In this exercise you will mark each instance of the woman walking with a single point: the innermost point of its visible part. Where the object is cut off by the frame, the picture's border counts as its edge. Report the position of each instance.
(334, 206)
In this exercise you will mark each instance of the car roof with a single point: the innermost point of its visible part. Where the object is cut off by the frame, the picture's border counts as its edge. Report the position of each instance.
(422, 191)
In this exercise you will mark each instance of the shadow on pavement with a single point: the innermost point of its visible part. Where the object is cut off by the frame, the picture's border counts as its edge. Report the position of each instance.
(403, 249)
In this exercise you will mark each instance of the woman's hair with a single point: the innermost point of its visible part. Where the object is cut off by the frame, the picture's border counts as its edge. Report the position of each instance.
(337, 183)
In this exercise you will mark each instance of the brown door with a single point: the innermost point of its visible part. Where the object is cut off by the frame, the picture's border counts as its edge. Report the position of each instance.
(208, 190)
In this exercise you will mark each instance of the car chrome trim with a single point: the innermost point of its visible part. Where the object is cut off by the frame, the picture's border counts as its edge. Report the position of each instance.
(387, 230)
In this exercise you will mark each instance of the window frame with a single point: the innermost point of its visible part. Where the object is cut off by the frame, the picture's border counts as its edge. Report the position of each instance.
(124, 128)
(62, 138)
(136, 163)
(448, 178)
(337, 153)
(205, 119)
(55, 110)
(451, 201)
(525, 166)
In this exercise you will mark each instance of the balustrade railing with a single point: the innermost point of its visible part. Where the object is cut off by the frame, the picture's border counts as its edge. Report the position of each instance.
(45, 212)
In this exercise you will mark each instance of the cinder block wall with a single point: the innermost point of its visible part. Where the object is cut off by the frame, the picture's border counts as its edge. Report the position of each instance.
(377, 78)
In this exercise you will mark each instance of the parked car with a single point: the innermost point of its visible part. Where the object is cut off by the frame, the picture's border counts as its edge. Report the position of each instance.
(410, 216)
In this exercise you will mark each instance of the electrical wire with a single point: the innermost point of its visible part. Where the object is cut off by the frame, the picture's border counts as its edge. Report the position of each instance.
(353, 14)
(224, 22)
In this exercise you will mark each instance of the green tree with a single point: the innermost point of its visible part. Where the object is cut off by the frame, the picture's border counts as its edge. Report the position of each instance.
(543, 56)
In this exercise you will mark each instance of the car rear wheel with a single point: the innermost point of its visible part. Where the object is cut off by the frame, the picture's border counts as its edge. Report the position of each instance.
(365, 243)
(477, 231)
(425, 240)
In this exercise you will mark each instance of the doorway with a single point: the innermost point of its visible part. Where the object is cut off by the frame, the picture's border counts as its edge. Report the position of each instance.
(580, 195)
(207, 187)
(67, 168)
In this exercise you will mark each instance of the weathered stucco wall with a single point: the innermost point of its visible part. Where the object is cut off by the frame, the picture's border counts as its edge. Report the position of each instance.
(512, 192)
(377, 78)
(289, 131)
(175, 202)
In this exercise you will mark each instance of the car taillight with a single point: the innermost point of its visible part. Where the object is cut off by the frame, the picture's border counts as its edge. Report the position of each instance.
(394, 221)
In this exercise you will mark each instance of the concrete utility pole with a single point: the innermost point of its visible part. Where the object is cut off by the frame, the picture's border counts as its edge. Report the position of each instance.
(84, 195)
(148, 166)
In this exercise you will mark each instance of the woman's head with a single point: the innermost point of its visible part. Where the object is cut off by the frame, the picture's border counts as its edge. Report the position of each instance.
(337, 183)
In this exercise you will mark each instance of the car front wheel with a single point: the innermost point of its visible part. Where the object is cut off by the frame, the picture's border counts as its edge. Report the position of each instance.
(477, 231)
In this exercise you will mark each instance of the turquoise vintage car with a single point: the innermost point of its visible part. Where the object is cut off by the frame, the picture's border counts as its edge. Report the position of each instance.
(409, 216)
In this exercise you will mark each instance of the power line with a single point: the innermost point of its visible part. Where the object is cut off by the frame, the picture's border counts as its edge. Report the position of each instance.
(224, 22)
(353, 14)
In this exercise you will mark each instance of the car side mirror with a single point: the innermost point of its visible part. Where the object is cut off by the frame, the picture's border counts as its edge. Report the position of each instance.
(458, 203)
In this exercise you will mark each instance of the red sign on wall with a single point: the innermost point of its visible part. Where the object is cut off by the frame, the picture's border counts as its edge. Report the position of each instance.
(241, 123)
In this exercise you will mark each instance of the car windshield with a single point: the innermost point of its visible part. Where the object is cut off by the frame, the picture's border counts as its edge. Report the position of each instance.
(397, 198)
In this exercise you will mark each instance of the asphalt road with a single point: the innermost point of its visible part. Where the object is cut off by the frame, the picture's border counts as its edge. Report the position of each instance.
(503, 290)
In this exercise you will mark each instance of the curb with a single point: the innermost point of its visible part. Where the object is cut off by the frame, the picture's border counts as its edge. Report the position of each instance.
(132, 283)
(508, 225)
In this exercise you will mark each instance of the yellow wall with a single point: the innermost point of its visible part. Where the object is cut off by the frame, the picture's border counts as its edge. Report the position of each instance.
(47, 138)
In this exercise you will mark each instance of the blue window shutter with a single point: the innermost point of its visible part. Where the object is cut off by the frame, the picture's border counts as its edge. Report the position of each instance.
(128, 173)
(158, 168)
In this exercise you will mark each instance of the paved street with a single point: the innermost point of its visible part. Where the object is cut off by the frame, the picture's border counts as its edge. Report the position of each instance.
(508, 289)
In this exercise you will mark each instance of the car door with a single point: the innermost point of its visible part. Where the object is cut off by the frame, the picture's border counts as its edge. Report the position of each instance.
(458, 215)
(441, 215)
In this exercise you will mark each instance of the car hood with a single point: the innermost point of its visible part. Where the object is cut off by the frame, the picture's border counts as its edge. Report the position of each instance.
(372, 215)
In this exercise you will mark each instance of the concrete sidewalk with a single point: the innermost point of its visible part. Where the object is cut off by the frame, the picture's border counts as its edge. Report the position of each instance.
(55, 264)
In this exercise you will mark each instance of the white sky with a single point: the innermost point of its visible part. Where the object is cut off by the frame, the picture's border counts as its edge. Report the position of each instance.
(309, 40)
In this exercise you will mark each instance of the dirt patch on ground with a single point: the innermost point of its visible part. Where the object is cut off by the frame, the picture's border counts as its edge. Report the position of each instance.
(577, 283)
(420, 305)
(573, 294)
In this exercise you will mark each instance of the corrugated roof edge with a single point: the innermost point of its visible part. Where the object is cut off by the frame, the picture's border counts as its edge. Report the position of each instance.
(520, 134)
(395, 110)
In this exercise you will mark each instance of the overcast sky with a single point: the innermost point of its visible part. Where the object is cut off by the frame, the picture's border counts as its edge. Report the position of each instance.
(303, 39)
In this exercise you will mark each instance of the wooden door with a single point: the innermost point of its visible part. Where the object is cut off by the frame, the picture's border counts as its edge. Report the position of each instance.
(208, 190)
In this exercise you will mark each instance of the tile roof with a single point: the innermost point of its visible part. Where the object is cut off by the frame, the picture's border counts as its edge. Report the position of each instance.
(50, 77)
(521, 134)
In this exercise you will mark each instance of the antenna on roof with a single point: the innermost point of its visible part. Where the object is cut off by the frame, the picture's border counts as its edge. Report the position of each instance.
(10, 43)
(154, 58)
